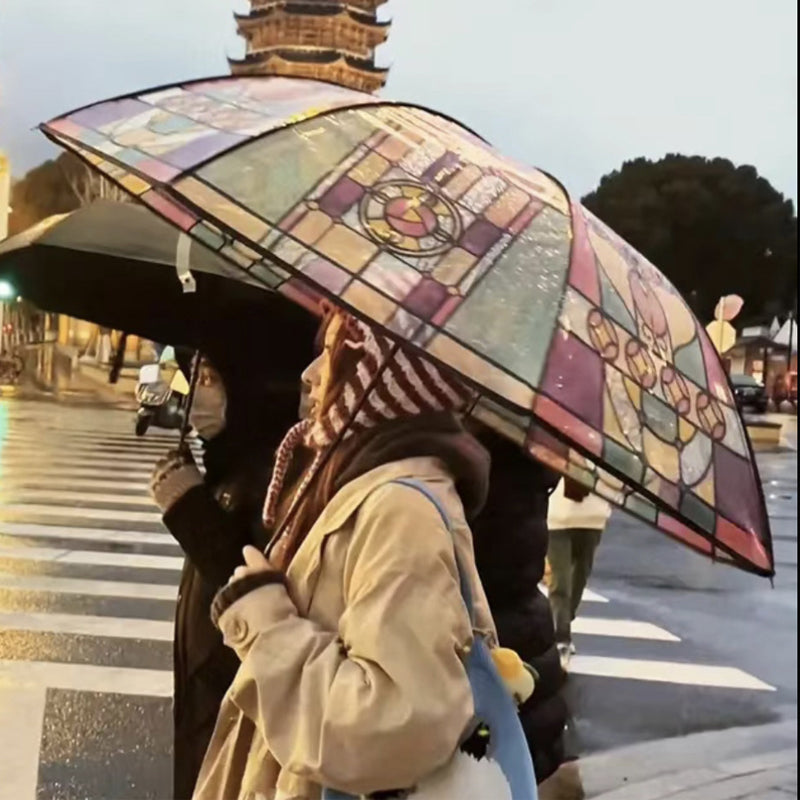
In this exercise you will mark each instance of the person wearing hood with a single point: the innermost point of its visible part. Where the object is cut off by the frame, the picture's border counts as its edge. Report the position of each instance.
(241, 411)
(511, 540)
(352, 632)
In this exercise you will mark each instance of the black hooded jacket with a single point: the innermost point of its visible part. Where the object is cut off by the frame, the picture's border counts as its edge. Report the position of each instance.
(214, 521)
(510, 537)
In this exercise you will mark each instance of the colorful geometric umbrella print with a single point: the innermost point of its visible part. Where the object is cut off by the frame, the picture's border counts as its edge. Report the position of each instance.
(583, 352)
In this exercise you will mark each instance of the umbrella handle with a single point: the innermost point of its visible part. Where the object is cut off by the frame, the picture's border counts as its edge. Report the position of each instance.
(193, 378)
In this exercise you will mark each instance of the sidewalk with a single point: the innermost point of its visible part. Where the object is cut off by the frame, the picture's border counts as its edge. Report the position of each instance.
(758, 763)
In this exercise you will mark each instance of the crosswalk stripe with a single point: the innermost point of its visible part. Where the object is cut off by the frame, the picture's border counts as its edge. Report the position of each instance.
(588, 595)
(55, 481)
(44, 510)
(67, 462)
(54, 445)
(87, 625)
(45, 472)
(85, 534)
(11, 454)
(92, 588)
(87, 678)
(28, 496)
(22, 431)
(667, 672)
(624, 628)
(91, 558)
(19, 760)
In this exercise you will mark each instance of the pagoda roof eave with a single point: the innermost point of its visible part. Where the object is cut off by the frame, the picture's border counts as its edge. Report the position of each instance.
(299, 56)
(259, 15)
(368, 7)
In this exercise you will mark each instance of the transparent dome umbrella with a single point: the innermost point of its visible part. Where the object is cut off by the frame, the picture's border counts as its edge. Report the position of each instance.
(581, 350)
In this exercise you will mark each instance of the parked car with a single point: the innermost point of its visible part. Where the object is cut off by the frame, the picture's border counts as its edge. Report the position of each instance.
(749, 393)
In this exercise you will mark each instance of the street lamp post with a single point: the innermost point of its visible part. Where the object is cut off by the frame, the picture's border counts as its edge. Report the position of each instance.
(6, 293)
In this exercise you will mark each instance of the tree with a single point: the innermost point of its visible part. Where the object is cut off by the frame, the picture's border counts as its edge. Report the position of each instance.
(57, 187)
(713, 228)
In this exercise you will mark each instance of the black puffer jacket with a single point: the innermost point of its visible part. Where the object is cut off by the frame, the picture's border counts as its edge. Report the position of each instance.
(510, 538)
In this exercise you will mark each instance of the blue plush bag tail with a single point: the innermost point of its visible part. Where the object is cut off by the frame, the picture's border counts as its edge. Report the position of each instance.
(494, 706)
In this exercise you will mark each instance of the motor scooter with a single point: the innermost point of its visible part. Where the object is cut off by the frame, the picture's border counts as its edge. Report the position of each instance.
(161, 404)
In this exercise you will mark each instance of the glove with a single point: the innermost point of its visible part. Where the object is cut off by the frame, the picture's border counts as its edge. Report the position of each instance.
(173, 476)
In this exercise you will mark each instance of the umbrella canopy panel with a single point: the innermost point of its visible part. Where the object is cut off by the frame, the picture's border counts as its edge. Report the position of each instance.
(583, 351)
(115, 264)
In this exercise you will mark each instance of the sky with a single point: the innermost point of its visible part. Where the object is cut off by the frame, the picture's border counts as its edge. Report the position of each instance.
(575, 87)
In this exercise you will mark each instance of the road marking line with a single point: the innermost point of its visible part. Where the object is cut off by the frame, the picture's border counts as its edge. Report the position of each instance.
(86, 678)
(37, 462)
(86, 534)
(92, 558)
(22, 428)
(44, 510)
(15, 444)
(90, 588)
(12, 454)
(31, 496)
(667, 672)
(622, 628)
(21, 718)
(588, 595)
(45, 472)
(21, 483)
(88, 625)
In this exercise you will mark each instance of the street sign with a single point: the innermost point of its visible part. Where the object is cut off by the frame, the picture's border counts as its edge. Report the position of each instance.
(728, 307)
(722, 335)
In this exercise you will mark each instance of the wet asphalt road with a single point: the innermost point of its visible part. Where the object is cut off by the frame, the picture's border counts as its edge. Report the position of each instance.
(88, 579)
(723, 617)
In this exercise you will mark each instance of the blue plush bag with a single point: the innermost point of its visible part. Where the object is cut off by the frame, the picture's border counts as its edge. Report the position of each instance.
(504, 770)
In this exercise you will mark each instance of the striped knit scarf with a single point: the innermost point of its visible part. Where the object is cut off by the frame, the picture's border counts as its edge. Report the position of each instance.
(403, 385)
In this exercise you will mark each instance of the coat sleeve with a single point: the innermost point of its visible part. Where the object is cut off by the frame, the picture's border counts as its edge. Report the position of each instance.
(385, 700)
(211, 538)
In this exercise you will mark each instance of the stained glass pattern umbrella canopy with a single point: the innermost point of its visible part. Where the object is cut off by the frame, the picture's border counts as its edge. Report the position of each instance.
(583, 352)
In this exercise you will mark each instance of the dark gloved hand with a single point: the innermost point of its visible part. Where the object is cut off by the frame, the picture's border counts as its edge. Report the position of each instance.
(173, 476)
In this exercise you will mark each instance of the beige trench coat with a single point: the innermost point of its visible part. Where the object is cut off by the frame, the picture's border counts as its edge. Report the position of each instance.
(353, 679)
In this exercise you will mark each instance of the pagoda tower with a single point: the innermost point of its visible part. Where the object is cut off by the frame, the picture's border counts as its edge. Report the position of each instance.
(321, 39)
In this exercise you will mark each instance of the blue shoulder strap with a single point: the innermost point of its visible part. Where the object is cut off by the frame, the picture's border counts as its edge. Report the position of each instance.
(466, 588)
(493, 703)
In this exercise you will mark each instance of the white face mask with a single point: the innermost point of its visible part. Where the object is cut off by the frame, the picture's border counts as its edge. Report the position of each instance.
(208, 410)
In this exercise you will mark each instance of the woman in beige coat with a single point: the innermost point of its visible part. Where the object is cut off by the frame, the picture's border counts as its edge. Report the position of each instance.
(352, 635)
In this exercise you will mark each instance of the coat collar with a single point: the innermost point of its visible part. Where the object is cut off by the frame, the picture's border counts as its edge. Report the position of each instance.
(346, 502)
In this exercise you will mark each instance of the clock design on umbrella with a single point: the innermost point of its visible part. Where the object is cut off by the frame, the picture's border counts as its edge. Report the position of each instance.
(410, 218)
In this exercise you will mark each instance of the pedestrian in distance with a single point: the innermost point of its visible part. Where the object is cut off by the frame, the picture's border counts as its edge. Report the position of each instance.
(576, 520)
